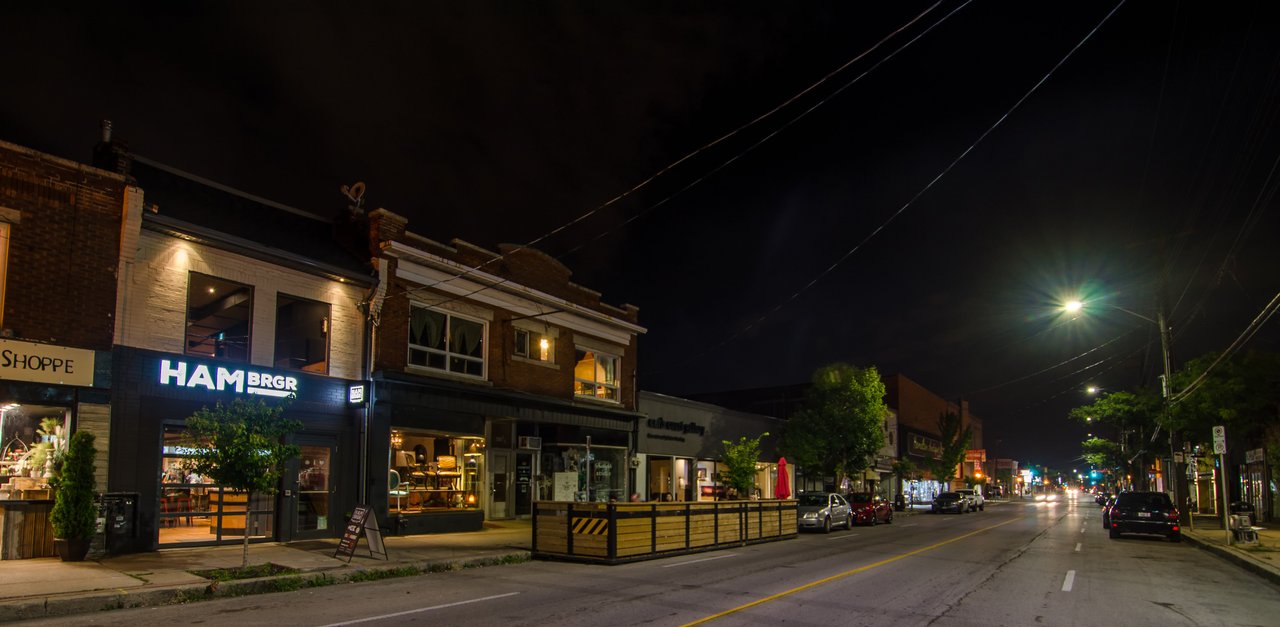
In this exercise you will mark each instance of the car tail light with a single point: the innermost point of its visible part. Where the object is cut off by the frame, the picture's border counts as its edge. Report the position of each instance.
(1173, 514)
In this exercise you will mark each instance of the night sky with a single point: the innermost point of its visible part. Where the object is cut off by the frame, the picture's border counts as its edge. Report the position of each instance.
(1147, 159)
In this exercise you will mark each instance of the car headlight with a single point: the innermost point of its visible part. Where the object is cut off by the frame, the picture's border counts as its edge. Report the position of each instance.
(811, 515)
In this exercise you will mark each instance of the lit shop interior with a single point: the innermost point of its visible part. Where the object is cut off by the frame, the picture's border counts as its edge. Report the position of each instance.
(434, 472)
(29, 435)
(195, 511)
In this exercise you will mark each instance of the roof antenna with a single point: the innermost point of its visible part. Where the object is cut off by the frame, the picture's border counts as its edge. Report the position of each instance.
(355, 193)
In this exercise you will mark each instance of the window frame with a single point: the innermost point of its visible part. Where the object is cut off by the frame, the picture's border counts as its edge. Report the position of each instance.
(448, 353)
(327, 333)
(597, 385)
(186, 317)
(525, 349)
(6, 232)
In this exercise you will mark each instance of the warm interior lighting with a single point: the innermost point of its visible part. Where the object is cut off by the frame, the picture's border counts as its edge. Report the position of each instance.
(396, 440)
(544, 347)
(471, 499)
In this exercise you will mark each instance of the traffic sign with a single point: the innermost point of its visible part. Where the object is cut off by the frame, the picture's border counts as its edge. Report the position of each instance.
(1219, 440)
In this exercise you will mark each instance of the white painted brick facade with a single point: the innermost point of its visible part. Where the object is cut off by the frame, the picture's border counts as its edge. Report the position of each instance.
(154, 300)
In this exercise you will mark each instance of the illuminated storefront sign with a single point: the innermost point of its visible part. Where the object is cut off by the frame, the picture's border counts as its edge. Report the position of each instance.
(355, 394)
(220, 379)
(45, 363)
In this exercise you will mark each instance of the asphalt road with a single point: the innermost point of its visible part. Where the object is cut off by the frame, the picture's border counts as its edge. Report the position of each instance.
(1014, 564)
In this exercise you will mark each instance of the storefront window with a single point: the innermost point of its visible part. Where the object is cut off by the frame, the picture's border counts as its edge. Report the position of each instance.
(434, 471)
(570, 474)
(30, 436)
(194, 510)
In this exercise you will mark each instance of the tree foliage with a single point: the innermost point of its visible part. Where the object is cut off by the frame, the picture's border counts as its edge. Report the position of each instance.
(1102, 453)
(1242, 392)
(955, 441)
(840, 427)
(74, 513)
(241, 447)
(740, 460)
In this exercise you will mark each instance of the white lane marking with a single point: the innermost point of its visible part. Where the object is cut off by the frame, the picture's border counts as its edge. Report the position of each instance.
(842, 536)
(1077, 547)
(1066, 583)
(705, 559)
(421, 609)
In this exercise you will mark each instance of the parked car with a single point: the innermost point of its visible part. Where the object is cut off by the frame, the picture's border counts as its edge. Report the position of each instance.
(822, 510)
(1106, 511)
(1145, 512)
(869, 509)
(1102, 498)
(975, 498)
(950, 502)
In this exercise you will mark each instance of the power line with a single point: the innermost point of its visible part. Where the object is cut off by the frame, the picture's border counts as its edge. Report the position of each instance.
(758, 119)
(913, 199)
(1239, 343)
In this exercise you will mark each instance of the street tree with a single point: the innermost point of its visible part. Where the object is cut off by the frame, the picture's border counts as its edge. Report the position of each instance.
(841, 426)
(1133, 418)
(956, 438)
(740, 462)
(241, 447)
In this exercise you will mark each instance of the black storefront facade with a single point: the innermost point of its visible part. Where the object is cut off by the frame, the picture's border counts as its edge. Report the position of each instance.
(152, 396)
(457, 453)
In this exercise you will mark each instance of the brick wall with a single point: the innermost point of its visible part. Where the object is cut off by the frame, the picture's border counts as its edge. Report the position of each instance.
(65, 221)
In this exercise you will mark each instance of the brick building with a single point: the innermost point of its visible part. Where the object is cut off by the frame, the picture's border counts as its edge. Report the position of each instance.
(497, 381)
(60, 229)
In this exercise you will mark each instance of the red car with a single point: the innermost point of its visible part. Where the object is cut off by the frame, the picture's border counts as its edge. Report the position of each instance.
(869, 509)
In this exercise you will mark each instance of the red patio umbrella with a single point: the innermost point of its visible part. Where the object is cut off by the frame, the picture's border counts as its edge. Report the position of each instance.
(783, 489)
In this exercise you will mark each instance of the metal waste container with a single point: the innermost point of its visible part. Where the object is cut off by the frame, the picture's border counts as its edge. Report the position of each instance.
(1244, 508)
(121, 512)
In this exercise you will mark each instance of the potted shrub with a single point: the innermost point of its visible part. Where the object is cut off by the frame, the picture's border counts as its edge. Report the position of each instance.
(74, 512)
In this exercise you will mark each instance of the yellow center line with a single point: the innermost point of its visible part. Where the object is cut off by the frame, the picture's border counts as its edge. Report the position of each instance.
(845, 574)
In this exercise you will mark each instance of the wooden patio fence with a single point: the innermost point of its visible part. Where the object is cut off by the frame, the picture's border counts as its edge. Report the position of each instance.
(613, 533)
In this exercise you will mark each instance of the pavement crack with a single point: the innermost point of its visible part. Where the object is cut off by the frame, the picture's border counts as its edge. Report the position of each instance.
(1174, 608)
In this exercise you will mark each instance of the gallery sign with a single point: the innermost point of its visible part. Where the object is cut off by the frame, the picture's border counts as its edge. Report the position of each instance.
(45, 363)
(179, 373)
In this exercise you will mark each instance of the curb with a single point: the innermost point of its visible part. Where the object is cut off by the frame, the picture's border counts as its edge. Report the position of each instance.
(1236, 558)
(103, 600)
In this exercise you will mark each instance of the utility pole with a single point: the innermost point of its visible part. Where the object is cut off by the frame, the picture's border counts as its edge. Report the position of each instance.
(1166, 387)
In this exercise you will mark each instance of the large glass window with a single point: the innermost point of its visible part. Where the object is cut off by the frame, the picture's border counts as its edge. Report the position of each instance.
(302, 334)
(446, 342)
(194, 510)
(434, 471)
(596, 375)
(218, 317)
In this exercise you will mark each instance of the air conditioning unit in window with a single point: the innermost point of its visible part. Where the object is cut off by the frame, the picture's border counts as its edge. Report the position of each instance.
(529, 441)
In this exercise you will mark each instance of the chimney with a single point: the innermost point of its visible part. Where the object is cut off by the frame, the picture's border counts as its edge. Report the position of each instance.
(112, 155)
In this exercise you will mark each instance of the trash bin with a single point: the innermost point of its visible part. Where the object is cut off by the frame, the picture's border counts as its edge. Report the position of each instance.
(899, 503)
(121, 512)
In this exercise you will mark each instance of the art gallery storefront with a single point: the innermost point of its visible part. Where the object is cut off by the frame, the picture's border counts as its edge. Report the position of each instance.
(456, 454)
(680, 444)
(153, 396)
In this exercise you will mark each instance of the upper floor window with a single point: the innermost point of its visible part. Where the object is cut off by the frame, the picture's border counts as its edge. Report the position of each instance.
(596, 375)
(219, 313)
(302, 334)
(445, 341)
(534, 345)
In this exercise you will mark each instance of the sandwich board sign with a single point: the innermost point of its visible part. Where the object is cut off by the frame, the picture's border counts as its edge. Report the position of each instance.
(363, 523)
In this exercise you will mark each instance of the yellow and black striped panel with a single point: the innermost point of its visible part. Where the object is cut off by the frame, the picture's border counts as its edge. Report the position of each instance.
(591, 526)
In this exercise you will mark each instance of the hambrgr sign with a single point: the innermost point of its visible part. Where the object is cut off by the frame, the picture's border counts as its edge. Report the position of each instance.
(220, 379)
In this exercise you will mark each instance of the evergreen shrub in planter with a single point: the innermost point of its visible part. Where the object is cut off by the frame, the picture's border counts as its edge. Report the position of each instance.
(74, 511)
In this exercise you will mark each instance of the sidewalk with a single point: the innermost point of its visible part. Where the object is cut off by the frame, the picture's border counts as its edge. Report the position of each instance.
(1262, 558)
(45, 587)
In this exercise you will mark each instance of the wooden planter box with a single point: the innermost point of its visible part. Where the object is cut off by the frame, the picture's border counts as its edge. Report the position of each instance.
(612, 533)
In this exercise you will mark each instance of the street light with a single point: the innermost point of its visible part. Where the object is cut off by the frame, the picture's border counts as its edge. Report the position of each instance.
(1166, 380)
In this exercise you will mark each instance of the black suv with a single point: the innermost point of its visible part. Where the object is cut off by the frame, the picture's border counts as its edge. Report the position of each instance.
(1145, 512)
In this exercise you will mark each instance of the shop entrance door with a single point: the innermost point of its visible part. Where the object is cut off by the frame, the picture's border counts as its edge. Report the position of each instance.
(310, 497)
(500, 492)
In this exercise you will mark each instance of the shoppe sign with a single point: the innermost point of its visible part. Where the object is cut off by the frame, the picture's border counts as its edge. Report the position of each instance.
(45, 363)
(193, 375)
(922, 446)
